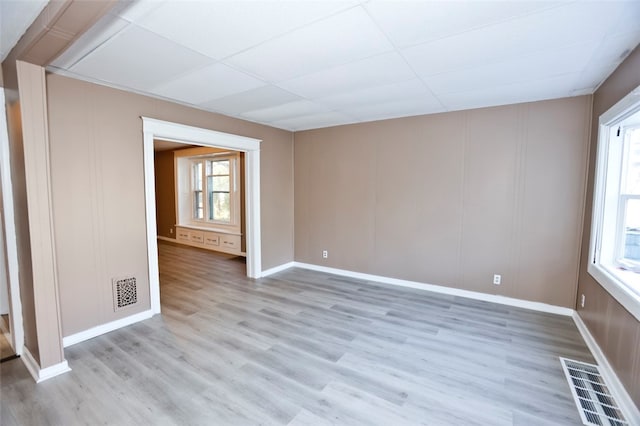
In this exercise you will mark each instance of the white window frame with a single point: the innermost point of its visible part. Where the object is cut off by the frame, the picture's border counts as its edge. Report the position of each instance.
(234, 192)
(624, 286)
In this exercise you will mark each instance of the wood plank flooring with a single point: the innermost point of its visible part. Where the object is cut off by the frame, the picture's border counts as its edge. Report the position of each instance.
(5, 347)
(306, 348)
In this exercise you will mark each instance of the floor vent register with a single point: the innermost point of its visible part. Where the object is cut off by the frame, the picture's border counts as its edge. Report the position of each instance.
(592, 396)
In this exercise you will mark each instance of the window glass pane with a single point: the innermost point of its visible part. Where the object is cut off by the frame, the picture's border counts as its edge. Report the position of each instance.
(219, 183)
(197, 176)
(631, 230)
(631, 178)
(219, 206)
(198, 208)
(220, 167)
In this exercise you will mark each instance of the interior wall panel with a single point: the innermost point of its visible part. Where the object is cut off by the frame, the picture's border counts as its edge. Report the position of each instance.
(455, 195)
(615, 329)
(99, 210)
(165, 194)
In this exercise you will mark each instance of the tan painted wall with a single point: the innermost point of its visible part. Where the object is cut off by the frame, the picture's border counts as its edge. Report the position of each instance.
(165, 194)
(50, 34)
(35, 136)
(98, 191)
(450, 199)
(614, 328)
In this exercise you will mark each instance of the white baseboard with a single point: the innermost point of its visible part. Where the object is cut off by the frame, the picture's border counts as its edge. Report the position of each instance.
(42, 374)
(629, 409)
(536, 306)
(277, 269)
(105, 328)
(173, 240)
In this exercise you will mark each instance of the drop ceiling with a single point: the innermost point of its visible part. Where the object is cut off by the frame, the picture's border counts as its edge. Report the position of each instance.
(300, 65)
(16, 16)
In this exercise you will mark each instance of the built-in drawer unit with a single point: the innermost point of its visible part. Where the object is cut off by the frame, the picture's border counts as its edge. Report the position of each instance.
(197, 237)
(211, 240)
(231, 242)
(182, 234)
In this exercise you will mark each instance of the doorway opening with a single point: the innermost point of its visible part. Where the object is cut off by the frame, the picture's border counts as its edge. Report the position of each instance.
(11, 327)
(177, 133)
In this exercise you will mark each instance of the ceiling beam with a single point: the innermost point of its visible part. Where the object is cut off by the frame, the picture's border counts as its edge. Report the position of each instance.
(57, 27)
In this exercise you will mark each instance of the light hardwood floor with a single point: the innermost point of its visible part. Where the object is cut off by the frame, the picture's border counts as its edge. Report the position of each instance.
(306, 348)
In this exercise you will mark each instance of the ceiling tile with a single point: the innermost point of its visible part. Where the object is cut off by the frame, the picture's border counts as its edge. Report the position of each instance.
(400, 108)
(611, 52)
(221, 28)
(135, 10)
(208, 83)
(262, 97)
(15, 18)
(413, 22)
(342, 38)
(314, 121)
(306, 64)
(554, 87)
(106, 27)
(521, 69)
(288, 110)
(138, 59)
(558, 27)
(405, 90)
(628, 18)
(374, 71)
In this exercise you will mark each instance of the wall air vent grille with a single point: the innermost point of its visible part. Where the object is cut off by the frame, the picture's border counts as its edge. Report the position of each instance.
(125, 292)
(593, 399)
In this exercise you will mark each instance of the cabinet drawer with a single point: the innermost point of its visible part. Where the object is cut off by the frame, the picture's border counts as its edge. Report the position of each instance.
(197, 236)
(182, 234)
(230, 241)
(211, 239)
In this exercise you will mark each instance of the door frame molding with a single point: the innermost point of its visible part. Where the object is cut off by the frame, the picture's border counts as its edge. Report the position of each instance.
(16, 338)
(158, 129)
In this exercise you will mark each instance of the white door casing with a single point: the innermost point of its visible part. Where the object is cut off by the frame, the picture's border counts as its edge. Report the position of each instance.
(158, 129)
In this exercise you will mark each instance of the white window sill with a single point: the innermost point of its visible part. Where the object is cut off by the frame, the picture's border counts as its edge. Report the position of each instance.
(623, 285)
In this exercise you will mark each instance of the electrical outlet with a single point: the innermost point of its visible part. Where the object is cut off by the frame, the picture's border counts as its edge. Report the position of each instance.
(497, 279)
(171, 230)
(325, 254)
(582, 298)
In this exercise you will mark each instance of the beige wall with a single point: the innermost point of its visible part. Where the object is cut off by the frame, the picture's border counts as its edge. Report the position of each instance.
(450, 199)
(35, 137)
(50, 34)
(165, 194)
(98, 192)
(614, 328)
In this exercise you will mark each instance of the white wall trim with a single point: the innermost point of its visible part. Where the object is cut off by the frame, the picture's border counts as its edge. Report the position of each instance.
(171, 240)
(15, 317)
(629, 409)
(159, 129)
(42, 374)
(525, 304)
(277, 269)
(105, 328)
(612, 283)
(252, 213)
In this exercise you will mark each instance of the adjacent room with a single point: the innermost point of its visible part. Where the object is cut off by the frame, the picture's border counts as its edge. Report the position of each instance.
(344, 212)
